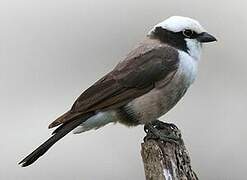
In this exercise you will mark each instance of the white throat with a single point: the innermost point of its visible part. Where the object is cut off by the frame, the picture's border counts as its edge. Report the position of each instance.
(194, 48)
(187, 67)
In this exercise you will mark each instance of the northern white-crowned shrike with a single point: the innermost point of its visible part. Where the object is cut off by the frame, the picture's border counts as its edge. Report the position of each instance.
(145, 85)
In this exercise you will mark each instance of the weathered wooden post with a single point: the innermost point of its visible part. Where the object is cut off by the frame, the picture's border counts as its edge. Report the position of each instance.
(164, 159)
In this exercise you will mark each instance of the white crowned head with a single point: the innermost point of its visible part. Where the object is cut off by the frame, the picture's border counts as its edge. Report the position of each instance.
(180, 23)
(182, 29)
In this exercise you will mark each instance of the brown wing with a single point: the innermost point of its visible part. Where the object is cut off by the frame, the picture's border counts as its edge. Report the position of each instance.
(133, 77)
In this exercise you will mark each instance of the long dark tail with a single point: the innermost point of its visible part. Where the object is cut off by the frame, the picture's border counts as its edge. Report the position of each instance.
(60, 133)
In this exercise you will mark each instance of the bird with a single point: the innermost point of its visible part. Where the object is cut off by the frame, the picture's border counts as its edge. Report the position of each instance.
(142, 87)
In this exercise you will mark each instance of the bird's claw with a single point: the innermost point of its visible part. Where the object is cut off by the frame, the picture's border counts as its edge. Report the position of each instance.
(159, 130)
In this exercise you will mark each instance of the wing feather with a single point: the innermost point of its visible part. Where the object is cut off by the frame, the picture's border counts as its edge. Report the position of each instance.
(131, 78)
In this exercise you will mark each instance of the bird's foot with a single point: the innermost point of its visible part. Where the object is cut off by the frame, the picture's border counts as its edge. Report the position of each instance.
(159, 130)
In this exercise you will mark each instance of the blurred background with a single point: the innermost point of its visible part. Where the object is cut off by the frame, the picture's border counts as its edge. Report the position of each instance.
(50, 51)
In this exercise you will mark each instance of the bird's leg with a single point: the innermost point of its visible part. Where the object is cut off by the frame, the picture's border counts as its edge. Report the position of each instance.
(164, 131)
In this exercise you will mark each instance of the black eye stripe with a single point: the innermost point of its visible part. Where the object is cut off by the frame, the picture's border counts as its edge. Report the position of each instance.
(175, 39)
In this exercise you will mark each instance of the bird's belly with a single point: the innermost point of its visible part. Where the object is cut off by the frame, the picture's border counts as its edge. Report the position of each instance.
(157, 102)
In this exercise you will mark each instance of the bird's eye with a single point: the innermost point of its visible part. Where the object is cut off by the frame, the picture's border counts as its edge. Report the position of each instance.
(188, 33)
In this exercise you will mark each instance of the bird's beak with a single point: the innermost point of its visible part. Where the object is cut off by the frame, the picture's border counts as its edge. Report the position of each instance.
(205, 37)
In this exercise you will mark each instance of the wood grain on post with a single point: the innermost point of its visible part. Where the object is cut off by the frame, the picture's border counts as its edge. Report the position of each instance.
(166, 160)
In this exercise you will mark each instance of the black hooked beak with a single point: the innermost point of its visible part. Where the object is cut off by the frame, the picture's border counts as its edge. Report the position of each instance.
(205, 37)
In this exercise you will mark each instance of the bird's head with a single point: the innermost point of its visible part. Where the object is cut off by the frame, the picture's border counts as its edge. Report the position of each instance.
(183, 33)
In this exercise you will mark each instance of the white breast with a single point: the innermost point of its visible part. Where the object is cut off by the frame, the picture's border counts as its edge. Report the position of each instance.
(187, 67)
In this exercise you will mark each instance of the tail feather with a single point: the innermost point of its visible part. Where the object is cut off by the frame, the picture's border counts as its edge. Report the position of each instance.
(65, 129)
(59, 128)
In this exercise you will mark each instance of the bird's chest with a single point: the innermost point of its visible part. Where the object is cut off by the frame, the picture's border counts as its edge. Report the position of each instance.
(165, 95)
(169, 94)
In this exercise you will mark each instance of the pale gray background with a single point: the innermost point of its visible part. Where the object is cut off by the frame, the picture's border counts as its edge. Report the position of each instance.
(52, 50)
